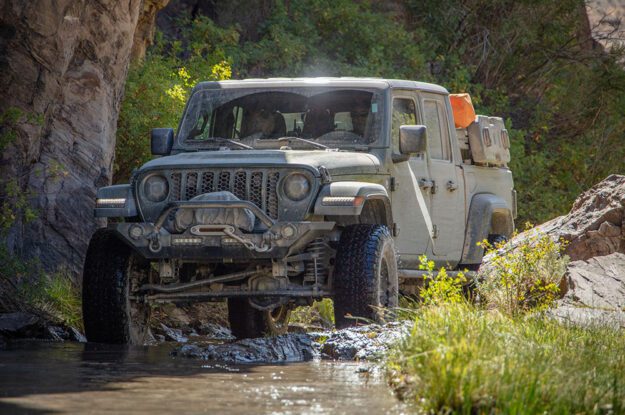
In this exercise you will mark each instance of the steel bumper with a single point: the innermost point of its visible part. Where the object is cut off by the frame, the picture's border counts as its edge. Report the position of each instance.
(220, 241)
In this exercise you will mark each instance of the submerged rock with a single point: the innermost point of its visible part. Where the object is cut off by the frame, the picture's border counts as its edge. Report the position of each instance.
(357, 343)
(360, 343)
(281, 349)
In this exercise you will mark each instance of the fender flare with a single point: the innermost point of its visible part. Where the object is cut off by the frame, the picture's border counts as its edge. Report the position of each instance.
(488, 213)
(356, 195)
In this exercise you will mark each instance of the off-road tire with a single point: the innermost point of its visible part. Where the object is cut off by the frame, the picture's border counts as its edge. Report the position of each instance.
(365, 275)
(109, 316)
(494, 239)
(248, 322)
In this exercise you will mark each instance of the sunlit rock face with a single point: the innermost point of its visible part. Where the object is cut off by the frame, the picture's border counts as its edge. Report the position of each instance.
(63, 65)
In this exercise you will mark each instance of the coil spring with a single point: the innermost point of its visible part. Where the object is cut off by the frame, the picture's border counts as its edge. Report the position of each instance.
(315, 271)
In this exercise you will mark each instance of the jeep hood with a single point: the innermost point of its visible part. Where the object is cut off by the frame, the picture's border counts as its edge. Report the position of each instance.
(336, 162)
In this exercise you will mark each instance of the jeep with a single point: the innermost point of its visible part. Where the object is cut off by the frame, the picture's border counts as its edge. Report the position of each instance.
(275, 193)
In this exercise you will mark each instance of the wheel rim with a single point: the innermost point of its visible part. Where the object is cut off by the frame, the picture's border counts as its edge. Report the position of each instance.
(138, 312)
(277, 319)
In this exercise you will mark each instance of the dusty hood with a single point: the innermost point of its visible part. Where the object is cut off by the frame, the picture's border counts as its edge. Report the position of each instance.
(337, 162)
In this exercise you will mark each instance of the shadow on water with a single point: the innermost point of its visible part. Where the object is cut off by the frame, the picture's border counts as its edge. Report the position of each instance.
(53, 378)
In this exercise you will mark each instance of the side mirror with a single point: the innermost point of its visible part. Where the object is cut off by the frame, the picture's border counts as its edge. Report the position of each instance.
(412, 140)
(162, 141)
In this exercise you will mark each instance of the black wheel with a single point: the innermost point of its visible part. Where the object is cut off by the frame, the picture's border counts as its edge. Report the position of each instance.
(365, 274)
(248, 322)
(111, 273)
(494, 239)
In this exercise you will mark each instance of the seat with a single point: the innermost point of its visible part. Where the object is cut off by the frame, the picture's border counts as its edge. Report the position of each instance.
(318, 121)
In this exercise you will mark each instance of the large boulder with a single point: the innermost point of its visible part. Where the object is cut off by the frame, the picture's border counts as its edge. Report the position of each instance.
(595, 226)
(63, 66)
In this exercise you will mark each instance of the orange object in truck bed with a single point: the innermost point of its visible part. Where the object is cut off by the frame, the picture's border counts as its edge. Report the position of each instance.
(464, 113)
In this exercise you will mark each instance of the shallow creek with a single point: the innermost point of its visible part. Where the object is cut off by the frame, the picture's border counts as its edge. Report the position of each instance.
(59, 378)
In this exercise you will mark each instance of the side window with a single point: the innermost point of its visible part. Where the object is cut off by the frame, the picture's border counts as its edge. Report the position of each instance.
(434, 119)
(404, 113)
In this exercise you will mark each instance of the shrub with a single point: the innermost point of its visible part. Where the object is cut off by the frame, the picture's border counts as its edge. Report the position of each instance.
(321, 313)
(522, 277)
(440, 287)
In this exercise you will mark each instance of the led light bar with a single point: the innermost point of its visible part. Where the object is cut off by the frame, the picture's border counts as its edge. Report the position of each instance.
(116, 202)
(342, 200)
(186, 241)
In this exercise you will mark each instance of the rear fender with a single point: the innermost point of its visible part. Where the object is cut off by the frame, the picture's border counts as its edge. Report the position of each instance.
(488, 214)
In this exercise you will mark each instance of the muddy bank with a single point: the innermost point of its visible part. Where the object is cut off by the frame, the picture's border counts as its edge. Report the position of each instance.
(364, 343)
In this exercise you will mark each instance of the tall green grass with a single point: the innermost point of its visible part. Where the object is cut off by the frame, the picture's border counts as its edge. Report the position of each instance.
(462, 360)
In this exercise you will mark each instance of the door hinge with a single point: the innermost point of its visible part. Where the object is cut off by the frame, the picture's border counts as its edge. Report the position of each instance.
(392, 183)
(434, 231)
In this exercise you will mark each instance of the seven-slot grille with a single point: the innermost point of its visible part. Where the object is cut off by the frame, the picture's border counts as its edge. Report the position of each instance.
(256, 186)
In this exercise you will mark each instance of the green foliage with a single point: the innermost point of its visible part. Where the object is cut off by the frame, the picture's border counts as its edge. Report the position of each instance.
(525, 276)
(25, 286)
(461, 360)
(321, 313)
(157, 89)
(13, 204)
(440, 287)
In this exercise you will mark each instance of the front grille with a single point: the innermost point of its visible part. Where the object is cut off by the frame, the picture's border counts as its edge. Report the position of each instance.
(256, 186)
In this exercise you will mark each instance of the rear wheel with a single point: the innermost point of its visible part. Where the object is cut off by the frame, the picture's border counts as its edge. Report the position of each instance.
(112, 273)
(365, 275)
(248, 322)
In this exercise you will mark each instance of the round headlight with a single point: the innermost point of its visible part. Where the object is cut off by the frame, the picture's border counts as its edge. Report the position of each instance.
(155, 188)
(296, 187)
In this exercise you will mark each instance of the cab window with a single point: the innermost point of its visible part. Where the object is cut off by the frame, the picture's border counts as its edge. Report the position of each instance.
(438, 140)
(404, 113)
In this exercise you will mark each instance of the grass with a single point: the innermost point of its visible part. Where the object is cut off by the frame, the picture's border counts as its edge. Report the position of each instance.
(25, 286)
(320, 314)
(459, 359)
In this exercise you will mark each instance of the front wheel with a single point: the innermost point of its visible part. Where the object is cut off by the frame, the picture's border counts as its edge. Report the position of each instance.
(248, 322)
(112, 272)
(365, 275)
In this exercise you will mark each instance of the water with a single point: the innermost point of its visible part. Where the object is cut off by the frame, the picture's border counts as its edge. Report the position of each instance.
(62, 378)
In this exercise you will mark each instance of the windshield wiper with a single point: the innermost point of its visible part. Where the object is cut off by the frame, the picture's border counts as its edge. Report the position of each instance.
(222, 140)
(312, 143)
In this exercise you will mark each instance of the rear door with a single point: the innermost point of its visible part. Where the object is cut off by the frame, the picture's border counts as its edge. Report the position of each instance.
(447, 193)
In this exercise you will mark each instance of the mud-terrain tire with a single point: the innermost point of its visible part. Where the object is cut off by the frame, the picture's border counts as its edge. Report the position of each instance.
(494, 239)
(248, 322)
(365, 275)
(109, 315)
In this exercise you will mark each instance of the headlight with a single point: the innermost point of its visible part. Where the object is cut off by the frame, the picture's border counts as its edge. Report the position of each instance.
(155, 188)
(296, 187)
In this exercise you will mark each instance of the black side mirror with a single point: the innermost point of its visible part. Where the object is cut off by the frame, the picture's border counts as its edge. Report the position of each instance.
(412, 140)
(162, 141)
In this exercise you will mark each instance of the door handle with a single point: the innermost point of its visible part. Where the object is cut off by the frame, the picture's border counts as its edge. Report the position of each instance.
(451, 185)
(426, 183)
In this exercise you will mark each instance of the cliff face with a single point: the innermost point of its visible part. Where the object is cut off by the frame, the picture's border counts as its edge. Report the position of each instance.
(63, 65)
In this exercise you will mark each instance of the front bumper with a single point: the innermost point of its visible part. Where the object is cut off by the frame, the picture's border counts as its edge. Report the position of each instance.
(224, 243)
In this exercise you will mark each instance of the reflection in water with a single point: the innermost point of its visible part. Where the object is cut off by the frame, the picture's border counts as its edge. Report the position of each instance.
(45, 378)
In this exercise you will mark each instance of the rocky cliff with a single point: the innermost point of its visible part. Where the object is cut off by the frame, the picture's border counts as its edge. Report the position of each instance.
(63, 65)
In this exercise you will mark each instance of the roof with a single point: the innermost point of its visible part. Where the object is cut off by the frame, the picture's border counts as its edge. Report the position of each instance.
(375, 83)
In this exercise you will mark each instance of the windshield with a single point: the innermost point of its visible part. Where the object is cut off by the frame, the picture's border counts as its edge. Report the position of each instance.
(305, 117)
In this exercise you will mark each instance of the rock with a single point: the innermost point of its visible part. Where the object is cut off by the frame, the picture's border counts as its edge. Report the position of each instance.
(596, 291)
(595, 226)
(360, 343)
(23, 325)
(281, 349)
(174, 334)
(63, 65)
